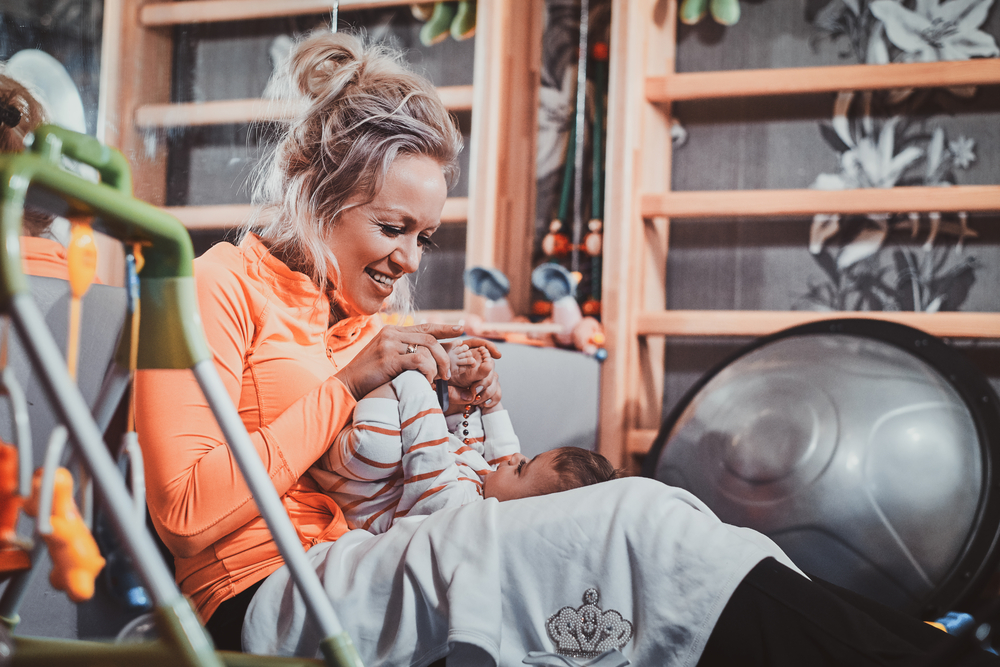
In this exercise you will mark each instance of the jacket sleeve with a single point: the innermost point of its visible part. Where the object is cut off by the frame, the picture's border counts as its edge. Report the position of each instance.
(196, 493)
(433, 476)
(500, 440)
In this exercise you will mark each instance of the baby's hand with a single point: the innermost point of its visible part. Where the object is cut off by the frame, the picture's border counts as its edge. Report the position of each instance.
(465, 362)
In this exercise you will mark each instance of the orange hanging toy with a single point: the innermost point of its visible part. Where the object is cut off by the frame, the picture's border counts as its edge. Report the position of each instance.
(76, 560)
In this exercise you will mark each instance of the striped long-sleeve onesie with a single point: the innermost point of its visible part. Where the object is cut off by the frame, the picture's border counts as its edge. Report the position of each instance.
(399, 458)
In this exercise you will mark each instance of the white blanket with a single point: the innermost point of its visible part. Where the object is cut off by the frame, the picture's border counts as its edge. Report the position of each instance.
(630, 566)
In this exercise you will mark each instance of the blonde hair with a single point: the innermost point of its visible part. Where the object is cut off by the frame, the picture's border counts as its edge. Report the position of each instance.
(364, 109)
(21, 113)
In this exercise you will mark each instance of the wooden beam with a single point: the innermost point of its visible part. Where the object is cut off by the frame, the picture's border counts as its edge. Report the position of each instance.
(784, 203)
(189, 114)
(502, 154)
(801, 80)
(753, 323)
(210, 11)
(640, 440)
(227, 216)
(643, 36)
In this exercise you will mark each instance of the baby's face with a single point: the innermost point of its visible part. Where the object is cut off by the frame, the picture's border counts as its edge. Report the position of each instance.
(521, 478)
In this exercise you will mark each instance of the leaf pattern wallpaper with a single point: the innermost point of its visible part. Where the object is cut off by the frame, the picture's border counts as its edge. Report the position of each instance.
(928, 137)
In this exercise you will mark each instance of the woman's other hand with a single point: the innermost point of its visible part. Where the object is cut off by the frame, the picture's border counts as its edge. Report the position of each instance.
(397, 349)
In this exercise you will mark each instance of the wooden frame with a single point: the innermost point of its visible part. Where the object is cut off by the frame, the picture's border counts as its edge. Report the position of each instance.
(502, 158)
(643, 86)
(189, 114)
(225, 216)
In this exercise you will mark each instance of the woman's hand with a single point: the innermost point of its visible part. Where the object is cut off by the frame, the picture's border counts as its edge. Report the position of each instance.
(482, 387)
(397, 349)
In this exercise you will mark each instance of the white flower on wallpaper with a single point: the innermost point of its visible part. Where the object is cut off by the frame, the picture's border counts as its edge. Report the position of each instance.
(889, 138)
(934, 30)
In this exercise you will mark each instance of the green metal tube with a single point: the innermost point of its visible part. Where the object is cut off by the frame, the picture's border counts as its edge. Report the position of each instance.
(339, 651)
(167, 279)
(51, 142)
(597, 187)
(567, 184)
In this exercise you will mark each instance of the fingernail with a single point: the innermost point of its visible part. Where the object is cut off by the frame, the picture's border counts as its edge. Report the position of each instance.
(479, 390)
(489, 402)
(457, 327)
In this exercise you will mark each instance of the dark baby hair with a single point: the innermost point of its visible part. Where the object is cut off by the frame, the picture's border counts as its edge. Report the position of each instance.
(581, 467)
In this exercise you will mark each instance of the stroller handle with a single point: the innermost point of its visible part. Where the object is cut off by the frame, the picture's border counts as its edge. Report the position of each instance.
(167, 280)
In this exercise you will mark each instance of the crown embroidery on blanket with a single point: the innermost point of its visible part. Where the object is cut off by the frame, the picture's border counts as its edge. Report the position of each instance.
(588, 631)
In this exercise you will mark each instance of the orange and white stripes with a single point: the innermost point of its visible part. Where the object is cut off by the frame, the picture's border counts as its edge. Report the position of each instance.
(398, 458)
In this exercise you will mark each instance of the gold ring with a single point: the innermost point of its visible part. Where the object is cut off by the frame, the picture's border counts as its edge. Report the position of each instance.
(411, 348)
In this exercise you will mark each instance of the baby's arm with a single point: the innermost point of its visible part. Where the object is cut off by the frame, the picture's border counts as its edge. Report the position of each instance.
(433, 476)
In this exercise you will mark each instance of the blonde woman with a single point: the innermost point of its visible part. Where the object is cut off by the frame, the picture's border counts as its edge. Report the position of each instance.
(350, 196)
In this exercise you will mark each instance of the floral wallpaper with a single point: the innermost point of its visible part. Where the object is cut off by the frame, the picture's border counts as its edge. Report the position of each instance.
(883, 141)
(927, 137)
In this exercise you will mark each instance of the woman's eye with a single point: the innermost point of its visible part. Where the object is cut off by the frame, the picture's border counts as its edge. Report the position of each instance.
(426, 242)
(390, 230)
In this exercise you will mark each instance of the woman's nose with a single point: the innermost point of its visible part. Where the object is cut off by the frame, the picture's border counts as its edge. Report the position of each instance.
(407, 256)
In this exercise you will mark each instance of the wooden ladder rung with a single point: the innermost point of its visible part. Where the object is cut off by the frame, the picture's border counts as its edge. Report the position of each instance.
(752, 323)
(227, 216)
(209, 11)
(640, 440)
(804, 80)
(190, 114)
(786, 203)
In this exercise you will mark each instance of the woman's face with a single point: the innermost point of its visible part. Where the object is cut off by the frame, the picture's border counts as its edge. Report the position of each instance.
(378, 243)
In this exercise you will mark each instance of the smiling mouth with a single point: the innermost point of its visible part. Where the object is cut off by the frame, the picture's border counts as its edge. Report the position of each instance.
(381, 278)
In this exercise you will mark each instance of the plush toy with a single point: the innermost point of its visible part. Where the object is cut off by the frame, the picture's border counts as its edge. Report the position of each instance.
(559, 286)
(76, 560)
(492, 285)
(13, 556)
(725, 12)
(443, 18)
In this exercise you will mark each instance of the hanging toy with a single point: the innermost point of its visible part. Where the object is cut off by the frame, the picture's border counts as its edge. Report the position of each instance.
(81, 256)
(555, 243)
(463, 26)
(559, 286)
(457, 19)
(438, 26)
(493, 286)
(81, 260)
(725, 12)
(76, 560)
(15, 468)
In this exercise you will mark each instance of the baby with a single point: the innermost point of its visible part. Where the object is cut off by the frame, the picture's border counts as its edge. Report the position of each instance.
(398, 458)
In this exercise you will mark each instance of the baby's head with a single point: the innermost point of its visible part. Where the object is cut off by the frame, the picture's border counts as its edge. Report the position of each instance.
(552, 471)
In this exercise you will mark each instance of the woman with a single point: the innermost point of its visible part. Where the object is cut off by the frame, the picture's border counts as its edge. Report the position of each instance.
(351, 196)
(629, 570)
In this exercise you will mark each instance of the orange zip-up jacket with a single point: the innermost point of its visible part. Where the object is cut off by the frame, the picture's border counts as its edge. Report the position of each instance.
(268, 329)
(44, 257)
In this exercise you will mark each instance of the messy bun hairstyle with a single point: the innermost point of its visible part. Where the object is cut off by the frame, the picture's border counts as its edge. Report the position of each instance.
(20, 114)
(364, 109)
